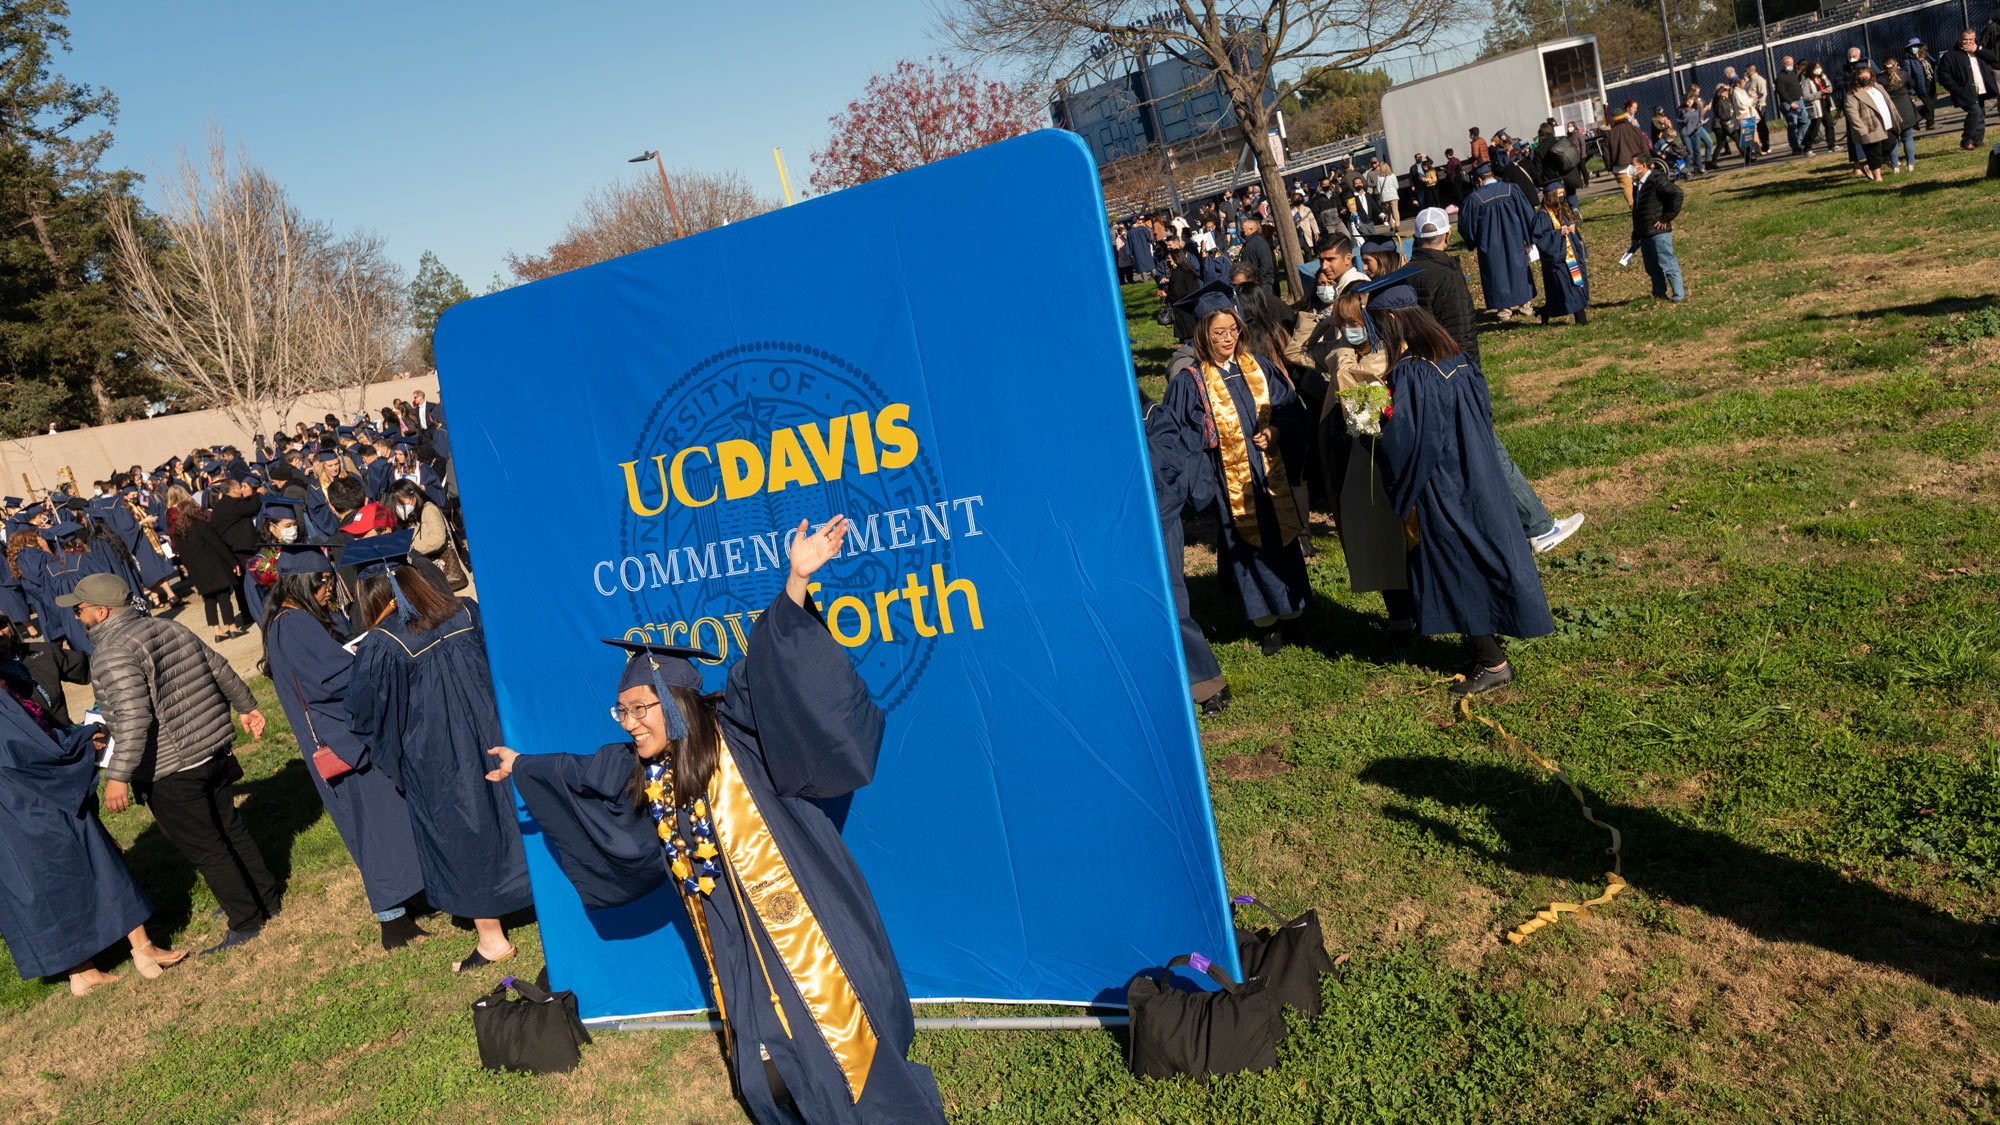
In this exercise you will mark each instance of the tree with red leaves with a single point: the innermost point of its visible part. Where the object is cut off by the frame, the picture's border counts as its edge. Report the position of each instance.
(917, 113)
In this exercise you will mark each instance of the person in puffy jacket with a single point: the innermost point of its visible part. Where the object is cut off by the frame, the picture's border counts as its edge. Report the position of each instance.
(166, 698)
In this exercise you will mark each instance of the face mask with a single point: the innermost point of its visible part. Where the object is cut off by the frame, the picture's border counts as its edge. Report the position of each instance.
(288, 534)
(1326, 294)
(1788, 68)
(1356, 335)
(404, 510)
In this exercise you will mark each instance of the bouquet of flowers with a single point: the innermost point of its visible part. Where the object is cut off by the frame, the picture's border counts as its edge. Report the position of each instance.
(1366, 406)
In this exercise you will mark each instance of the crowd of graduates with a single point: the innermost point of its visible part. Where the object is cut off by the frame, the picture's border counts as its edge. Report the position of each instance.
(318, 539)
(1362, 397)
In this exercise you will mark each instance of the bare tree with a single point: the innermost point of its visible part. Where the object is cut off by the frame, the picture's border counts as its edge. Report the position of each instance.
(632, 214)
(250, 305)
(357, 318)
(1243, 44)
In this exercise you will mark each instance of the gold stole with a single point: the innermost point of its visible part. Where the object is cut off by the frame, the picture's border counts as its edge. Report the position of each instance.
(757, 869)
(1230, 431)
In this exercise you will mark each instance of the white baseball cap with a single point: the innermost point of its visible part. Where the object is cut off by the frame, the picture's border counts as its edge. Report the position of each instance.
(1432, 221)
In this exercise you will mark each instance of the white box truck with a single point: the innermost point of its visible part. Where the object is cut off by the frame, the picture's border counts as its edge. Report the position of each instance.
(1516, 91)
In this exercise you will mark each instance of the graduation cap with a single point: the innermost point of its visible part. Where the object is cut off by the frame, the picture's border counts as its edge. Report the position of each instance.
(303, 558)
(35, 509)
(1378, 244)
(278, 508)
(63, 529)
(344, 431)
(661, 666)
(406, 443)
(378, 555)
(1213, 297)
(13, 501)
(1484, 169)
(1391, 291)
(1553, 185)
(327, 455)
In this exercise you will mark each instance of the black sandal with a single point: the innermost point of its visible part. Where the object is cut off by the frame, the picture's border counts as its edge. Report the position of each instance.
(477, 959)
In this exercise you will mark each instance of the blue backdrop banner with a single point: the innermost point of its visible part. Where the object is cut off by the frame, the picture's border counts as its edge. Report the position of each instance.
(942, 357)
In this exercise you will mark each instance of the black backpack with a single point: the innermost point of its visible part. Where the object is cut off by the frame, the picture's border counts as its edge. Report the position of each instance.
(539, 1033)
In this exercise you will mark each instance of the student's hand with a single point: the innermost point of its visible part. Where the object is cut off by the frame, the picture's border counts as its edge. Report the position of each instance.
(117, 796)
(506, 757)
(810, 552)
(1262, 438)
(253, 721)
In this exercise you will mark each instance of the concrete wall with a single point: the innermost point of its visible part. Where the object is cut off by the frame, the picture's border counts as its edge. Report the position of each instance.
(96, 452)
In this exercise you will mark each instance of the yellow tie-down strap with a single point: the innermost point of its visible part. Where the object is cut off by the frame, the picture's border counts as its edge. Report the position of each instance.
(1614, 878)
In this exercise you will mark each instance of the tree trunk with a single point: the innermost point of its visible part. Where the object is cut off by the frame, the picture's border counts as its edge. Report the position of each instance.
(1253, 121)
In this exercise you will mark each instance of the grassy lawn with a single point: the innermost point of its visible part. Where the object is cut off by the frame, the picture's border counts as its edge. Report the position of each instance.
(1775, 672)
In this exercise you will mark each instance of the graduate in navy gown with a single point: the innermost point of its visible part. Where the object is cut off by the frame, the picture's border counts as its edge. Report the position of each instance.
(1174, 489)
(818, 1019)
(278, 523)
(309, 671)
(65, 893)
(1471, 570)
(58, 571)
(1236, 421)
(153, 568)
(1565, 259)
(420, 696)
(1497, 220)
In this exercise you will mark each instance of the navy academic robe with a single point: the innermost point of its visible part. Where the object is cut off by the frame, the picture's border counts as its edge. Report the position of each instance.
(319, 514)
(13, 596)
(1471, 571)
(423, 704)
(65, 893)
(309, 671)
(1171, 493)
(153, 567)
(375, 477)
(1140, 239)
(608, 847)
(801, 728)
(58, 574)
(1271, 575)
(1497, 221)
(1563, 295)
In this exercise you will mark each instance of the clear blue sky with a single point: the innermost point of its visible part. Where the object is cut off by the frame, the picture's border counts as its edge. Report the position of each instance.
(472, 129)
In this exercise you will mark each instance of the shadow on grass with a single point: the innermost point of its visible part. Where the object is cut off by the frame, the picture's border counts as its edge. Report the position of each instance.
(1778, 899)
(1936, 306)
(276, 809)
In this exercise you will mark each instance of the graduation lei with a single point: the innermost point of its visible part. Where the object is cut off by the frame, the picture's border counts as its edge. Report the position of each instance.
(680, 858)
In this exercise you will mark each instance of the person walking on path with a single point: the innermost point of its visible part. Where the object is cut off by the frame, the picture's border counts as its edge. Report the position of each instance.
(1967, 74)
(167, 699)
(1495, 222)
(1623, 143)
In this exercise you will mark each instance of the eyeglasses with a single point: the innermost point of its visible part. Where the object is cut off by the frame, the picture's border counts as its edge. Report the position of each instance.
(636, 711)
(1218, 330)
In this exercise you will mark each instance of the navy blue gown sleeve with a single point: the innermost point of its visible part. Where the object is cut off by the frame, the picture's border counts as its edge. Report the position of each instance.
(376, 694)
(609, 849)
(796, 693)
(1183, 436)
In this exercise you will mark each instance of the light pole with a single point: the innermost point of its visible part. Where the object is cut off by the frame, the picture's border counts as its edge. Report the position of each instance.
(680, 231)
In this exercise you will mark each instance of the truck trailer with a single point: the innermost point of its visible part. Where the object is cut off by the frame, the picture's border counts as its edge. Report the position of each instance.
(1516, 92)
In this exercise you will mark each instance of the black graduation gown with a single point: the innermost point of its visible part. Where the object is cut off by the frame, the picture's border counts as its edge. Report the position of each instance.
(423, 704)
(1472, 571)
(801, 728)
(65, 893)
(309, 671)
